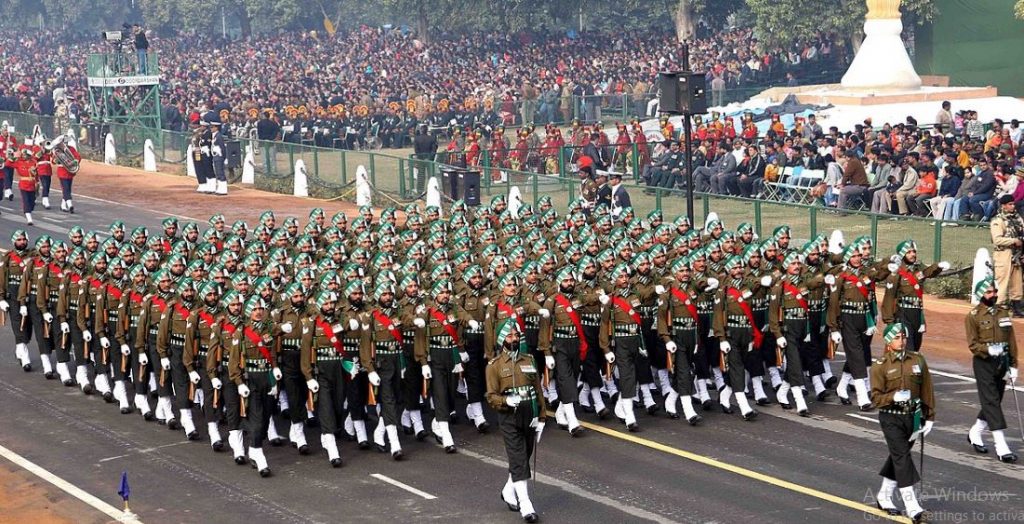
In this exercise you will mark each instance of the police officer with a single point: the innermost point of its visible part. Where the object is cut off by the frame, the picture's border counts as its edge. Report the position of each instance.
(1008, 240)
(991, 340)
(514, 391)
(901, 386)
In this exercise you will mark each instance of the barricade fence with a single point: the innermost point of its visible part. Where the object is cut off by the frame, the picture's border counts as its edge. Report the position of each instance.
(398, 179)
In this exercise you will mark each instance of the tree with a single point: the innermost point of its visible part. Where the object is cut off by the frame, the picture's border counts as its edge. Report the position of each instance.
(784, 22)
(1019, 9)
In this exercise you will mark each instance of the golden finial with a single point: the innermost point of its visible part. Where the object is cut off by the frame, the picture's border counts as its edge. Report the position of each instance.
(883, 9)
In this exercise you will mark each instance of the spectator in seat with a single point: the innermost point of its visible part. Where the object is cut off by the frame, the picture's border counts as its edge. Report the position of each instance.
(751, 180)
(908, 188)
(985, 187)
(926, 189)
(854, 183)
(949, 186)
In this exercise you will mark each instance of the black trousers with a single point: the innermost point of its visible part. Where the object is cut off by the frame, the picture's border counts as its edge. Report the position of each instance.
(210, 413)
(796, 351)
(356, 388)
(293, 383)
(686, 345)
(22, 335)
(228, 402)
(706, 356)
(594, 363)
(519, 439)
(567, 367)
(42, 330)
(655, 352)
(990, 373)
(741, 356)
(259, 407)
(389, 393)
(412, 384)
(899, 465)
(114, 354)
(330, 404)
(627, 351)
(165, 382)
(444, 382)
(911, 319)
(856, 344)
(140, 373)
(179, 378)
(473, 371)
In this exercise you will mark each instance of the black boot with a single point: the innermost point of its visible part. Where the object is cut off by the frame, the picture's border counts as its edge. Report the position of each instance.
(1018, 308)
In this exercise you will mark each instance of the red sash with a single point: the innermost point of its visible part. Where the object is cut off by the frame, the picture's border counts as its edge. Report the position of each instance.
(182, 311)
(206, 317)
(745, 306)
(912, 280)
(857, 283)
(574, 316)
(329, 331)
(627, 308)
(388, 325)
(160, 303)
(17, 259)
(114, 291)
(54, 268)
(229, 327)
(255, 338)
(135, 297)
(690, 306)
(792, 290)
(450, 329)
(508, 310)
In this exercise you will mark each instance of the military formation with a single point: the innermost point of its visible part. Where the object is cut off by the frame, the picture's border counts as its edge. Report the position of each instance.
(378, 329)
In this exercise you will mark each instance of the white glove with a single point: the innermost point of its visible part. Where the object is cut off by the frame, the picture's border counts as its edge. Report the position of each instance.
(995, 350)
(353, 324)
(659, 289)
(426, 372)
(513, 400)
(87, 336)
(457, 368)
(1013, 374)
(837, 337)
(286, 328)
(474, 325)
(830, 280)
(781, 342)
(216, 151)
(603, 299)
(5, 306)
(273, 391)
(125, 350)
(143, 359)
(419, 322)
(47, 317)
(670, 346)
(23, 311)
(543, 312)
(277, 374)
(610, 357)
(870, 331)
(893, 267)
(539, 429)
(712, 284)
(165, 363)
(549, 361)
(243, 391)
(216, 383)
(927, 428)
(205, 150)
(944, 266)
(421, 309)
(374, 378)
(65, 328)
(902, 395)
(464, 356)
(766, 281)
(895, 259)
(724, 346)
(313, 385)
(104, 342)
(921, 329)
(642, 352)
(193, 376)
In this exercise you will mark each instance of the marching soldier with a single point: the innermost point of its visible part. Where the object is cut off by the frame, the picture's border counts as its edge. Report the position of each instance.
(514, 391)
(904, 292)
(563, 341)
(354, 321)
(170, 346)
(411, 309)
(291, 322)
(12, 269)
(249, 368)
(36, 269)
(991, 339)
(901, 387)
(134, 300)
(678, 324)
(201, 332)
(738, 335)
(472, 311)
(788, 317)
(381, 353)
(153, 309)
(46, 298)
(441, 343)
(110, 314)
(622, 341)
(851, 320)
(90, 322)
(321, 361)
(218, 370)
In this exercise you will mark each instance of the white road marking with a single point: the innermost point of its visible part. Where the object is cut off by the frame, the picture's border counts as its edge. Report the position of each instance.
(147, 450)
(163, 213)
(20, 219)
(410, 489)
(69, 488)
(862, 417)
(962, 378)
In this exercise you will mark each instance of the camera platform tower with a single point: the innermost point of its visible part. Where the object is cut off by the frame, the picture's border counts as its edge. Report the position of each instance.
(124, 100)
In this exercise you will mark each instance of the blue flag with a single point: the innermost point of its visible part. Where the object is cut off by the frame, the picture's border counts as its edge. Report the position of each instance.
(125, 491)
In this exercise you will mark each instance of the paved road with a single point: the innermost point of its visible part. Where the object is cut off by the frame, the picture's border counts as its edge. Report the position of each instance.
(780, 468)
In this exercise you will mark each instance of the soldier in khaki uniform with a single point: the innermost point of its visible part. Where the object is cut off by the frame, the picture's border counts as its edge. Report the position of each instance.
(737, 334)
(132, 301)
(677, 327)
(622, 341)
(153, 309)
(851, 319)
(991, 339)
(381, 355)
(249, 368)
(471, 305)
(589, 292)
(901, 387)
(202, 328)
(1008, 240)
(290, 322)
(47, 298)
(439, 359)
(12, 268)
(323, 368)
(110, 316)
(33, 278)
(904, 292)
(91, 310)
(72, 291)
(225, 397)
(563, 346)
(170, 347)
(411, 309)
(353, 317)
(788, 317)
(514, 391)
